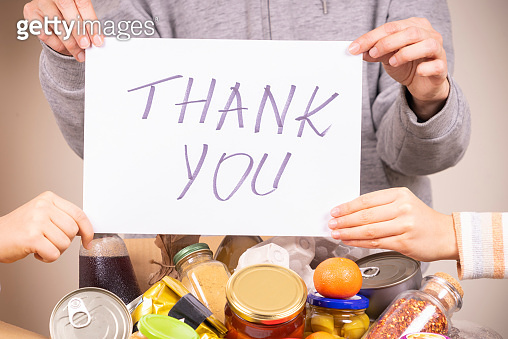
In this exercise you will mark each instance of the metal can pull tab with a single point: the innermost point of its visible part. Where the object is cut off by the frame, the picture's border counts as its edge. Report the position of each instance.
(369, 272)
(77, 306)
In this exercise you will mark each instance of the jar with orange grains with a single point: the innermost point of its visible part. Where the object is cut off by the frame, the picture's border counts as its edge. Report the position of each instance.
(265, 301)
(428, 309)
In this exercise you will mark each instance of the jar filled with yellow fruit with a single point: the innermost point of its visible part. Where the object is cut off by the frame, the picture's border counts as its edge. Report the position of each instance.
(343, 318)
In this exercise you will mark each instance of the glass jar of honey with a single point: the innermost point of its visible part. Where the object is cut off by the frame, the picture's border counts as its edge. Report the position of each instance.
(344, 318)
(265, 301)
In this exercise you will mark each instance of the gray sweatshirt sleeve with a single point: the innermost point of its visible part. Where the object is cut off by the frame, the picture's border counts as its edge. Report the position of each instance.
(406, 145)
(63, 78)
(63, 82)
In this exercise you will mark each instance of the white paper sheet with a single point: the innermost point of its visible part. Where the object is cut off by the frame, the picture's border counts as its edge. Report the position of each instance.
(155, 165)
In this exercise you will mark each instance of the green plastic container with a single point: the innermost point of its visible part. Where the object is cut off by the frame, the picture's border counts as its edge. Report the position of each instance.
(157, 326)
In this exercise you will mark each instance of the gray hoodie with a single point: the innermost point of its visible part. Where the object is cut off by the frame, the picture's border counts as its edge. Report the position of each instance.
(397, 150)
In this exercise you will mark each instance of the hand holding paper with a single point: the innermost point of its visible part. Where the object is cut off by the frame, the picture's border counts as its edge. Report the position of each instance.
(395, 219)
(45, 226)
(412, 53)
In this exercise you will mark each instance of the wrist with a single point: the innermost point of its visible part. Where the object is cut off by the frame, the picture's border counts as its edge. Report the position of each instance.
(449, 239)
(428, 106)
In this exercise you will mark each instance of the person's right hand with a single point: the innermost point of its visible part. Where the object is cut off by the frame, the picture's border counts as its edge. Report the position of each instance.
(44, 226)
(67, 10)
(395, 219)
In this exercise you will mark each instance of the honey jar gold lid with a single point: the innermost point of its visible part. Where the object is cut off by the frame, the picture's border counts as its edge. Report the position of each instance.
(266, 294)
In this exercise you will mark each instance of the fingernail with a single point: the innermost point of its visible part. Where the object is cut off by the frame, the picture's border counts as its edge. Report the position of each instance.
(84, 42)
(81, 56)
(335, 212)
(97, 40)
(393, 61)
(374, 52)
(332, 223)
(354, 48)
(336, 234)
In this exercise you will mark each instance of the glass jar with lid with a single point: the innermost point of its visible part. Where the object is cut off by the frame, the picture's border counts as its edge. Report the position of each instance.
(203, 276)
(345, 318)
(428, 309)
(265, 301)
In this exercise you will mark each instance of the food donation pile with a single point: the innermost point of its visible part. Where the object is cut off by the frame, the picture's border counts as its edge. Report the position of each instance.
(379, 296)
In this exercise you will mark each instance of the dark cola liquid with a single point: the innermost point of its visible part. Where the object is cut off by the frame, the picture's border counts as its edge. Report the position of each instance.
(114, 274)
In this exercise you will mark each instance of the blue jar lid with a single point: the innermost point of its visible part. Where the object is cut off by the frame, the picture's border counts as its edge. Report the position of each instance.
(357, 302)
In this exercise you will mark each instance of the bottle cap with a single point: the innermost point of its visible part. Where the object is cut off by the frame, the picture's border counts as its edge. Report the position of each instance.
(189, 250)
(157, 326)
(357, 302)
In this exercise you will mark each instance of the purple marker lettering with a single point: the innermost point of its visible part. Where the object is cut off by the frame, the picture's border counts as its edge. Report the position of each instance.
(279, 117)
(242, 179)
(192, 175)
(148, 105)
(186, 102)
(277, 177)
(305, 117)
(234, 93)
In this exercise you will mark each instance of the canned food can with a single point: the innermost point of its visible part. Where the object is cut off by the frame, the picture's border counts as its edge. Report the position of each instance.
(90, 312)
(385, 275)
(424, 335)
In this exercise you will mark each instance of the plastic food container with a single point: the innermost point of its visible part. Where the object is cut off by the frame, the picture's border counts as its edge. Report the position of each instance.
(345, 318)
(265, 301)
(155, 326)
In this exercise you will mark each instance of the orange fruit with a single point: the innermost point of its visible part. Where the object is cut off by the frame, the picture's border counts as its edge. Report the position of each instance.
(337, 278)
(320, 335)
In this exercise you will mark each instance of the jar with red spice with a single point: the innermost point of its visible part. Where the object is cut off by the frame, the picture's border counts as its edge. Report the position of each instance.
(428, 309)
(265, 301)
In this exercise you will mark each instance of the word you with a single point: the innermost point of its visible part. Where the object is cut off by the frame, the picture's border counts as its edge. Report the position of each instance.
(234, 104)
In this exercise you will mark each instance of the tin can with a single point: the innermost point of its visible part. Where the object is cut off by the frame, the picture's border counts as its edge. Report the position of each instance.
(90, 312)
(393, 273)
(265, 301)
(424, 335)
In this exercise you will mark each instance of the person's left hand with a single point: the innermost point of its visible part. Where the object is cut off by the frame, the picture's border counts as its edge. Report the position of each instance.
(395, 219)
(412, 53)
(44, 226)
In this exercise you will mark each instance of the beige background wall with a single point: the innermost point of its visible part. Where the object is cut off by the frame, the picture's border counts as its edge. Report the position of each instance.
(34, 157)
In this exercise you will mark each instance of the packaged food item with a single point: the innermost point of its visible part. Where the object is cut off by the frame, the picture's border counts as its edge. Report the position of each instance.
(170, 297)
(232, 247)
(428, 309)
(423, 335)
(107, 265)
(345, 318)
(265, 301)
(203, 276)
(90, 313)
(385, 275)
(154, 326)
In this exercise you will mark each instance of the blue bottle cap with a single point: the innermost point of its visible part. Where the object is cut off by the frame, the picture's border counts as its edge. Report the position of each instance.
(357, 302)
